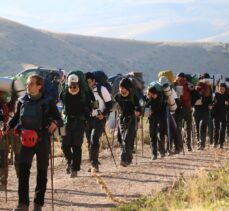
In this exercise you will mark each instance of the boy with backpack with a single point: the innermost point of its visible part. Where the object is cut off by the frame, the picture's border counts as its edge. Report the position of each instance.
(96, 123)
(129, 111)
(76, 110)
(35, 120)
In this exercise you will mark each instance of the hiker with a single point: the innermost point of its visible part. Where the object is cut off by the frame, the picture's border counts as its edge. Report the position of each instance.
(184, 111)
(7, 139)
(220, 106)
(76, 111)
(171, 106)
(129, 111)
(96, 123)
(157, 119)
(203, 104)
(35, 120)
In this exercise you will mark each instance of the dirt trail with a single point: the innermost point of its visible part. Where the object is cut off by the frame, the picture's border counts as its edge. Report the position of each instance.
(128, 183)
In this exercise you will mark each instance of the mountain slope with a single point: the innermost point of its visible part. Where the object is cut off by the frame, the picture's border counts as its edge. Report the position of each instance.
(20, 45)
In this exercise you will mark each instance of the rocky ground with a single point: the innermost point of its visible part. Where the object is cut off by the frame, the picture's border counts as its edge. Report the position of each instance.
(142, 177)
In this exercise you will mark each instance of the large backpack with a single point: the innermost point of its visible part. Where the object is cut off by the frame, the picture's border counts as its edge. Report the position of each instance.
(137, 84)
(52, 87)
(101, 80)
(86, 94)
(32, 112)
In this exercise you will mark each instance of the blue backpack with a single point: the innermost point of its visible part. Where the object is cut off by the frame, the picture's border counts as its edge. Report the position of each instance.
(102, 80)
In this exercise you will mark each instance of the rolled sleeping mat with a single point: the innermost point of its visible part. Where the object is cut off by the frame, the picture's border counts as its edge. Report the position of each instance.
(19, 86)
(179, 91)
(170, 98)
(6, 84)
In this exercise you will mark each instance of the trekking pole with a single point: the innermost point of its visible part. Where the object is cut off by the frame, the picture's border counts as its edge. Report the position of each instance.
(168, 128)
(136, 139)
(109, 147)
(112, 144)
(142, 134)
(6, 165)
(51, 162)
(53, 149)
(104, 131)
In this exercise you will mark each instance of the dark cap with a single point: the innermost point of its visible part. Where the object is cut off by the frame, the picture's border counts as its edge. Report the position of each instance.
(126, 83)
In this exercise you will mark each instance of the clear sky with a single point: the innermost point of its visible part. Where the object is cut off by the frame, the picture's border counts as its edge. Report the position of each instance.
(152, 20)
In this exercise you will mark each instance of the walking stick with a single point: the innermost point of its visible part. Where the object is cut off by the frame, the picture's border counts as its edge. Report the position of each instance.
(136, 139)
(53, 148)
(110, 147)
(168, 128)
(51, 162)
(6, 165)
(112, 144)
(142, 134)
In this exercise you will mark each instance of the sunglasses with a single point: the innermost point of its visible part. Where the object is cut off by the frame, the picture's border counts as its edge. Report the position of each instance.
(72, 87)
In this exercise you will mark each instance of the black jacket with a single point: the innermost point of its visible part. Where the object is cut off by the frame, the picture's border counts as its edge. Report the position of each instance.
(48, 115)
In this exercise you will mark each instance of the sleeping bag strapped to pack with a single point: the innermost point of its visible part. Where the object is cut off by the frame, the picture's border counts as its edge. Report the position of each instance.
(168, 74)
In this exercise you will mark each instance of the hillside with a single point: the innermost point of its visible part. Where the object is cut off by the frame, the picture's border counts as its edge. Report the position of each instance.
(21, 45)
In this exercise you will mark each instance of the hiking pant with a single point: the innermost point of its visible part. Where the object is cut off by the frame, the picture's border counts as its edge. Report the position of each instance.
(72, 143)
(7, 142)
(210, 127)
(184, 116)
(201, 121)
(42, 150)
(157, 135)
(219, 132)
(94, 130)
(127, 132)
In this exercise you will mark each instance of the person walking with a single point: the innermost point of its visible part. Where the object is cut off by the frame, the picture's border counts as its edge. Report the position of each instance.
(129, 111)
(35, 120)
(220, 106)
(76, 110)
(96, 123)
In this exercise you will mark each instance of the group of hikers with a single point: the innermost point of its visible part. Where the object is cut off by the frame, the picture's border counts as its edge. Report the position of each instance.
(86, 102)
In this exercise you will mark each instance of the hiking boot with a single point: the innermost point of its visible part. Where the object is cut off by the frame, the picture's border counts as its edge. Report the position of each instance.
(215, 145)
(221, 146)
(68, 169)
(200, 147)
(73, 174)
(189, 148)
(123, 163)
(154, 157)
(21, 207)
(37, 207)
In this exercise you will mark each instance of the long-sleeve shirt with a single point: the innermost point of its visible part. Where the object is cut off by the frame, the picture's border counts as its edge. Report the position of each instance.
(128, 105)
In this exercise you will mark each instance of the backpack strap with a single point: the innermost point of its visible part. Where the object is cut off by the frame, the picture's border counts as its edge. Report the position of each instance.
(99, 90)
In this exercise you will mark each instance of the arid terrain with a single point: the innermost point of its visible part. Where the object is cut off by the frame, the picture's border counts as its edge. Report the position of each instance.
(142, 177)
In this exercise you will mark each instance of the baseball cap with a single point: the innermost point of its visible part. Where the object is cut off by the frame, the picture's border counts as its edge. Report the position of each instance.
(73, 80)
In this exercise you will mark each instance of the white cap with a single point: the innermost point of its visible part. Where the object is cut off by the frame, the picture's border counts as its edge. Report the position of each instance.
(73, 79)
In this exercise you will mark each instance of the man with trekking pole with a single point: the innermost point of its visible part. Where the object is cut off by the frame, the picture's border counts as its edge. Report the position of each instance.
(96, 123)
(129, 111)
(35, 120)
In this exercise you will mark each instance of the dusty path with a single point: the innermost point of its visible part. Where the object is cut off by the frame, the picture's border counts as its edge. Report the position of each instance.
(83, 193)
